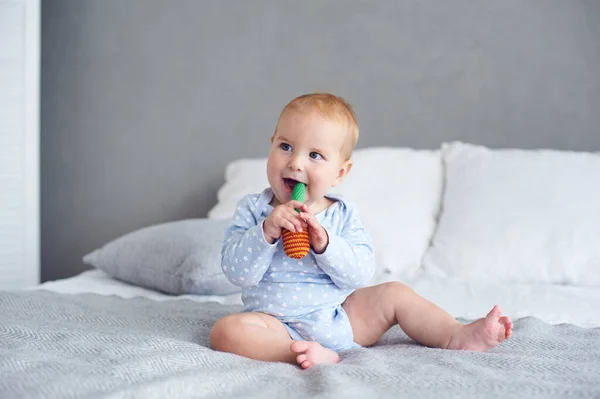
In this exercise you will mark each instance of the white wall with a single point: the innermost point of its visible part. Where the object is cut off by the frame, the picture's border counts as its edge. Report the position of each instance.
(19, 138)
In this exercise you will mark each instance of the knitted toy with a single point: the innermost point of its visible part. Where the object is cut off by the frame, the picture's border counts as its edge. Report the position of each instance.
(296, 245)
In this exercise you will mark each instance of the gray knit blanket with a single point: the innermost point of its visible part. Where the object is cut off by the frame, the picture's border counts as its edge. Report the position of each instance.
(91, 346)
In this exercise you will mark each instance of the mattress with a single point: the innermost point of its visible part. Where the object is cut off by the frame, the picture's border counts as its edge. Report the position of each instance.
(553, 304)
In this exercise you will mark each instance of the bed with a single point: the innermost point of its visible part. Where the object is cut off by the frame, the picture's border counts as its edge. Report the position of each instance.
(94, 336)
(137, 324)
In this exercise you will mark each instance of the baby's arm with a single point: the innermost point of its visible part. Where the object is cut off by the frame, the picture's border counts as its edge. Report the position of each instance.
(246, 255)
(348, 258)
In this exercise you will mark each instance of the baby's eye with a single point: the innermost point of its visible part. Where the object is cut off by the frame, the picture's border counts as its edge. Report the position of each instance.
(285, 147)
(315, 155)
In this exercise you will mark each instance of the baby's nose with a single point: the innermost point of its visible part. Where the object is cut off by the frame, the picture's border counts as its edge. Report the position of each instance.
(296, 164)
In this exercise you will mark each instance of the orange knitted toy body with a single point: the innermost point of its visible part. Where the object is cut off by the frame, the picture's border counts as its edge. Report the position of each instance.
(296, 245)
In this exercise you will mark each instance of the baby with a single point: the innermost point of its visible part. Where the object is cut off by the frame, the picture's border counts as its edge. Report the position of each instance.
(306, 311)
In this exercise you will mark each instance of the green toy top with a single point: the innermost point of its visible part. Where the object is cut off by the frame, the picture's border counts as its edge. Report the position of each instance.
(298, 193)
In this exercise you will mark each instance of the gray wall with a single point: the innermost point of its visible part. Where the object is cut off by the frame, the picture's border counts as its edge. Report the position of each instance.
(145, 101)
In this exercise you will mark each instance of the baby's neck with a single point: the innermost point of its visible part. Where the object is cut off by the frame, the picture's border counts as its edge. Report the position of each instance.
(321, 205)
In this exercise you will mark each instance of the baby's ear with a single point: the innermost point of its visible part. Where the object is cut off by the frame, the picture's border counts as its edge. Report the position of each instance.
(343, 172)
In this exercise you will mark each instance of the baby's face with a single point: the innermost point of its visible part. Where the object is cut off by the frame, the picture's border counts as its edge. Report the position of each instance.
(306, 148)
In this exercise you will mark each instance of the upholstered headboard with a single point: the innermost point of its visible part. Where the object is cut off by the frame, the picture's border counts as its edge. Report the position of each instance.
(144, 102)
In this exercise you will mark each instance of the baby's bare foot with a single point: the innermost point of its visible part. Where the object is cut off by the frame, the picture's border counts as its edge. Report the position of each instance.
(311, 353)
(482, 334)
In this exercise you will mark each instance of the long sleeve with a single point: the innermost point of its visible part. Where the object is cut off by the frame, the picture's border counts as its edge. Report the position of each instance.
(246, 255)
(348, 259)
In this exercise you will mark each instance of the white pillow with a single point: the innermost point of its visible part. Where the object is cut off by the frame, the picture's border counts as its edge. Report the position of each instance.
(518, 215)
(242, 177)
(396, 190)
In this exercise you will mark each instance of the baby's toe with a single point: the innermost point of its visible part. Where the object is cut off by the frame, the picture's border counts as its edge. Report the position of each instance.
(495, 312)
(507, 323)
(301, 358)
(306, 364)
(298, 347)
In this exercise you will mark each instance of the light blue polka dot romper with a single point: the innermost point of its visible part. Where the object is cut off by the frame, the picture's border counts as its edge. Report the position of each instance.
(306, 294)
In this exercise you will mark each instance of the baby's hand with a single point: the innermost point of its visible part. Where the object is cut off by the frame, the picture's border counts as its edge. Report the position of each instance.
(284, 216)
(317, 235)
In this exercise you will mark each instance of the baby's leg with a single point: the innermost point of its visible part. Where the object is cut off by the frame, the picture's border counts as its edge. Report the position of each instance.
(373, 310)
(253, 335)
(262, 337)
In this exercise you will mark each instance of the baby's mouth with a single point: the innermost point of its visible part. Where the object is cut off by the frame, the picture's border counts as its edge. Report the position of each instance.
(289, 183)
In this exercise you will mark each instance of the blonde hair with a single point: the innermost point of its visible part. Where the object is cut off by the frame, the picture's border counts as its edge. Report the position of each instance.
(331, 107)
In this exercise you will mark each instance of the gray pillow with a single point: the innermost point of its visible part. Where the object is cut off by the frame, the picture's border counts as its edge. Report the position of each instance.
(181, 257)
